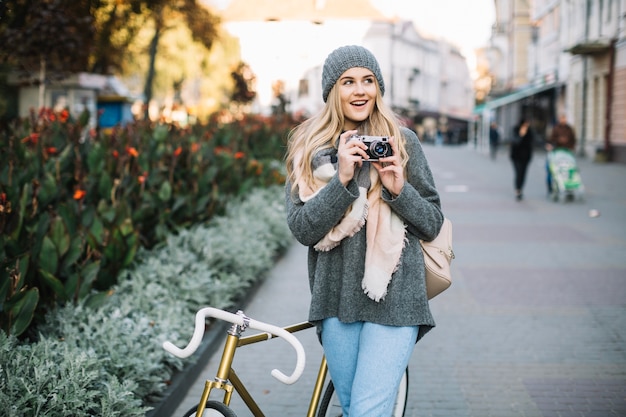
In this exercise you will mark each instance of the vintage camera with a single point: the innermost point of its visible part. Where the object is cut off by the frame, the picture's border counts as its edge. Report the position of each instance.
(377, 146)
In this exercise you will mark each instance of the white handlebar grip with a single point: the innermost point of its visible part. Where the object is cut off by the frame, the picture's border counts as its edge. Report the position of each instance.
(198, 332)
(294, 342)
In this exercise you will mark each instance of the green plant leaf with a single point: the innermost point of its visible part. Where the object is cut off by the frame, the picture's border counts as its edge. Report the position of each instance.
(115, 247)
(106, 212)
(54, 283)
(22, 269)
(105, 184)
(66, 155)
(70, 218)
(95, 158)
(71, 284)
(160, 133)
(132, 244)
(96, 232)
(165, 192)
(96, 300)
(40, 231)
(5, 286)
(48, 190)
(89, 273)
(87, 216)
(59, 235)
(21, 210)
(202, 203)
(126, 228)
(73, 254)
(48, 256)
(23, 311)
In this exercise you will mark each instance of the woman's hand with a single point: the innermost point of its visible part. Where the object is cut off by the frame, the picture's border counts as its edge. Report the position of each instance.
(390, 170)
(349, 155)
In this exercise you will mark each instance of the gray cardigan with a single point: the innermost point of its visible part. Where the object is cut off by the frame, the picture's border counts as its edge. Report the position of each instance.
(335, 276)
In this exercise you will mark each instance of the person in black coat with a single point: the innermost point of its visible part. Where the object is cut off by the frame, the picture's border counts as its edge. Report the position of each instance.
(521, 154)
(494, 140)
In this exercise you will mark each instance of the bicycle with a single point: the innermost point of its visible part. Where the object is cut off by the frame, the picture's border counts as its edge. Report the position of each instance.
(227, 380)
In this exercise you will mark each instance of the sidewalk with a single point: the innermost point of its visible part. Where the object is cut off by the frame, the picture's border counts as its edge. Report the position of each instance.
(534, 324)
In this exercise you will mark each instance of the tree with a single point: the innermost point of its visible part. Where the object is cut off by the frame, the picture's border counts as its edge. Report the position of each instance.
(165, 15)
(118, 24)
(49, 39)
(45, 39)
(244, 85)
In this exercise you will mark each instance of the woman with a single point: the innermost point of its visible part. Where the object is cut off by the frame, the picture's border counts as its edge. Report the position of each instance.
(562, 136)
(362, 221)
(521, 153)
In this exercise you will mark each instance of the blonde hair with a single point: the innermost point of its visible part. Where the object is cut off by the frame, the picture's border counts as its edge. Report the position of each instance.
(322, 130)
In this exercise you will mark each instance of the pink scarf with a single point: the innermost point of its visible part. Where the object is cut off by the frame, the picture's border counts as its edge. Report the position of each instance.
(385, 231)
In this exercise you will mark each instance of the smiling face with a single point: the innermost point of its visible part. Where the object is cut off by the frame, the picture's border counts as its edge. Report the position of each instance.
(357, 93)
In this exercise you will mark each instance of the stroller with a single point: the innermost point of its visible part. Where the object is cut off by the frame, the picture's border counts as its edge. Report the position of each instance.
(565, 176)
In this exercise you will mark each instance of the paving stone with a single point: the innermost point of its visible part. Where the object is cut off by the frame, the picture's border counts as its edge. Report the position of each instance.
(534, 324)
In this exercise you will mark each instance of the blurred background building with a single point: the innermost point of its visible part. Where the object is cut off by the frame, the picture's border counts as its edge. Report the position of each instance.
(553, 57)
(427, 79)
(543, 59)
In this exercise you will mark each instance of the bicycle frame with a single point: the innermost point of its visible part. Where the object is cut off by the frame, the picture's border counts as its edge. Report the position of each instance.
(226, 378)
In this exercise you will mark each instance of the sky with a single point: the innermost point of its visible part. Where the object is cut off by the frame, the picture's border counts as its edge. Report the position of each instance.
(465, 23)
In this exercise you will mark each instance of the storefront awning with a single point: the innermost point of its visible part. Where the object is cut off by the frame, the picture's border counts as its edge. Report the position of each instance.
(598, 46)
(517, 96)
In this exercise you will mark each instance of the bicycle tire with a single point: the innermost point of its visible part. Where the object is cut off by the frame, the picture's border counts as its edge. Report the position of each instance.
(212, 409)
(330, 406)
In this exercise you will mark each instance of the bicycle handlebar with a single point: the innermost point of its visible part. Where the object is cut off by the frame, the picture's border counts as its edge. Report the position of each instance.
(198, 332)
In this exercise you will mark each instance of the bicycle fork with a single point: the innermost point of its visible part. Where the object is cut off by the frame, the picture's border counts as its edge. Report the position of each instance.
(224, 370)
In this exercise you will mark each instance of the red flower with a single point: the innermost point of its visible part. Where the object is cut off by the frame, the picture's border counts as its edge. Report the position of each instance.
(5, 206)
(239, 155)
(51, 150)
(79, 194)
(219, 150)
(142, 178)
(132, 151)
(195, 147)
(32, 138)
(178, 151)
(64, 116)
(116, 154)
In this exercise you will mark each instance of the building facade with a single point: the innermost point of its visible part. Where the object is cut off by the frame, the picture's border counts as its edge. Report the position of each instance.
(427, 80)
(560, 57)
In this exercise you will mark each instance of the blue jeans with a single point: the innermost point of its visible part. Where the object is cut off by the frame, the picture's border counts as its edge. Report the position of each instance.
(366, 362)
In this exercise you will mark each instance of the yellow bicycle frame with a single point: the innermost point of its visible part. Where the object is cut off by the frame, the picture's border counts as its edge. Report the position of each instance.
(226, 379)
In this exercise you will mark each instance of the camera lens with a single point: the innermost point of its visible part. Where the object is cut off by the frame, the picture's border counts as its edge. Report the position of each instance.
(379, 149)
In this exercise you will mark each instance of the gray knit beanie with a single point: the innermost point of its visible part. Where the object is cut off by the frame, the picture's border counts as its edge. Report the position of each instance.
(344, 58)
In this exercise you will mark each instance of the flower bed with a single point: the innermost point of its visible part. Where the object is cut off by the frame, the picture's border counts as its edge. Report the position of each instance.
(107, 360)
(76, 205)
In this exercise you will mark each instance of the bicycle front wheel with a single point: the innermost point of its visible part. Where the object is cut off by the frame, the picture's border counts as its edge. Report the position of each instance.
(330, 406)
(212, 409)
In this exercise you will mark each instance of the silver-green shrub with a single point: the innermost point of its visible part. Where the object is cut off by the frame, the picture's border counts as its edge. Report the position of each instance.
(155, 300)
(54, 378)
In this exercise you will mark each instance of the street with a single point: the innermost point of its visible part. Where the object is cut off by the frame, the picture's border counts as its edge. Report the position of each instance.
(534, 324)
